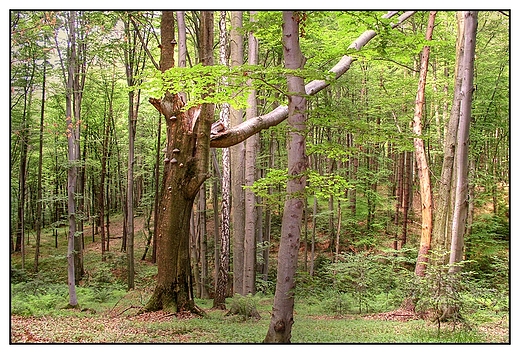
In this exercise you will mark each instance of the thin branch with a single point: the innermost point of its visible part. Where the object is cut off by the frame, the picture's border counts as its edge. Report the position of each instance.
(145, 46)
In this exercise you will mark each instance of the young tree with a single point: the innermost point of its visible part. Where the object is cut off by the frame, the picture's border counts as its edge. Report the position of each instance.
(282, 315)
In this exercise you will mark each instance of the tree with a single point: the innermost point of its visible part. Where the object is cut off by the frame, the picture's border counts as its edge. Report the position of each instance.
(420, 155)
(441, 228)
(252, 145)
(219, 301)
(40, 172)
(237, 158)
(186, 168)
(460, 211)
(282, 315)
(73, 152)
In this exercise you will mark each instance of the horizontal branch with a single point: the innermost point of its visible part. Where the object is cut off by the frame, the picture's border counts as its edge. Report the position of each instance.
(250, 127)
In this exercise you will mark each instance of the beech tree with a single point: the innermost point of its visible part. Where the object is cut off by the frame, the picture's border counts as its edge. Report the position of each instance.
(283, 307)
(460, 211)
(420, 155)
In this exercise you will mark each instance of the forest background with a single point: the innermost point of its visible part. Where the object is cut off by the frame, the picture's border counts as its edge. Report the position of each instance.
(371, 218)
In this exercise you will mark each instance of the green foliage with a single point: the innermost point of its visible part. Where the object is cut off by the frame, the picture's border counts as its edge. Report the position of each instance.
(365, 275)
(486, 246)
(245, 307)
(327, 185)
(440, 291)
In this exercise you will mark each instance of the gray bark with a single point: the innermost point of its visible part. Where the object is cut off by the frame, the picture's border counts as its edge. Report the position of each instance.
(237, 158)
(283, 306)
(250, 174)
(460, 211)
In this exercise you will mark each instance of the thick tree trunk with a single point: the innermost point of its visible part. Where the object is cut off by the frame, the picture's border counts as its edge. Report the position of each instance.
(441, 230)
(130, 187)
(422, 164)
(237, 159)
(460, 211)
(250, 175)
(283, 307)
(186, 164)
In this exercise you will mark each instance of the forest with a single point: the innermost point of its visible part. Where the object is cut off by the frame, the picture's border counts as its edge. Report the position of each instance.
(259, 176)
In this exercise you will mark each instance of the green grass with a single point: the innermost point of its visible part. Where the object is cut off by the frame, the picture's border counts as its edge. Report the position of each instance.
(108, 311)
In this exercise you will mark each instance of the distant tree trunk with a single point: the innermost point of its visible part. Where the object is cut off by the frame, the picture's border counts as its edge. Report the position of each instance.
(250, 174)
(39, 205)
(22, 181)
(182, 47)
(422, 165)
(101, 195)
(134, 64)
(460, 211)
(186, 168)
(80, 71)
(407, 193)
(399, 173)
(237, 159)
(203, 243)
(282, 315)
(219, 302)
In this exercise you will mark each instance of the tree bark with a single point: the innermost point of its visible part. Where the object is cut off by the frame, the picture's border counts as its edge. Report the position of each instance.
(283, 307)
(444, 211)
(186, 164)
(219, 301)
(72, 141)
(250, 175)
(460, 212)
(39, 215)
(420, 155)
(237, 158)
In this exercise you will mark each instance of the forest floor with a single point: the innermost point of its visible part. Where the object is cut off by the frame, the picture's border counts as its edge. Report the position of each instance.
(118, 321)
(159, 327)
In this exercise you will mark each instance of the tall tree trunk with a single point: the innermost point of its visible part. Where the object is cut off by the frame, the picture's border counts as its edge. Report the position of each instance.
(237, 159)
(250, 175)
(441, 230)
(186, 168)
(219, 301)
(72, 141)
(283, 307)
(101, 195)
(130, 191)
(422, 164)
(460, 211)
(39, 202)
